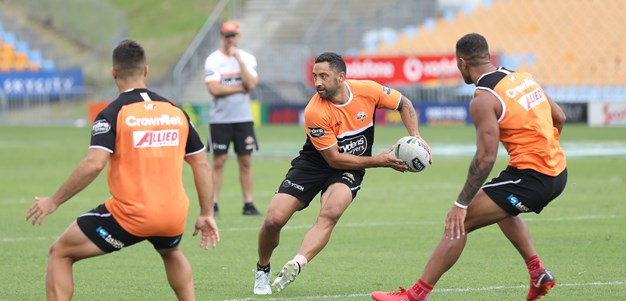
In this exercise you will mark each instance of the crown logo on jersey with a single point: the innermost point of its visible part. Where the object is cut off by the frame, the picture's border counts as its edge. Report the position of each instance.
(361, 116)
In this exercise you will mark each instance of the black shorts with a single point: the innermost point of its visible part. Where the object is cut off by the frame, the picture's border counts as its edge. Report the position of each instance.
(241, 134)
(305, 183)
(101, 228)
(524, 190)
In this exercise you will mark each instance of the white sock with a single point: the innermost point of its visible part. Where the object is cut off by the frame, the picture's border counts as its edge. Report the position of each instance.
(301, 260)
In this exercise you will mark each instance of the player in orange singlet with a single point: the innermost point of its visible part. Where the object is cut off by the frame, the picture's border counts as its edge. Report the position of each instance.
(512, 108)
(339, 123)
(145, 138)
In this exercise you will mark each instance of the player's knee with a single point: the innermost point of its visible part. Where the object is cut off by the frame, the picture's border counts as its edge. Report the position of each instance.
(329, 216)
(273, 223)
(58, 252)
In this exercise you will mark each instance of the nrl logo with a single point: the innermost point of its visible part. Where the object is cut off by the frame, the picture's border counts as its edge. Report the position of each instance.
(361, 116)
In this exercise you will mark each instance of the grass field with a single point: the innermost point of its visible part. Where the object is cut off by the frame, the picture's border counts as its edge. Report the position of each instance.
(383, 240)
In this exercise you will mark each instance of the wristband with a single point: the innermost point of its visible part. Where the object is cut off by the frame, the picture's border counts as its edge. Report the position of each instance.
(460, 205)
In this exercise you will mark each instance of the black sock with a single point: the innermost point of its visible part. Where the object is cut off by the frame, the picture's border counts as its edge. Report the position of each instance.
(265, 269)
(248, 205)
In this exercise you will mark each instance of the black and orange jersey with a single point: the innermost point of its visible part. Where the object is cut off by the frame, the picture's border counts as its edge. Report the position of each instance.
(350, 125)
(526, 127)
(148, 138)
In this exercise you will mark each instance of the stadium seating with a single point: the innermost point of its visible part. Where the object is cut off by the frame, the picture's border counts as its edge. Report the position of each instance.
(16, 55)
(561, 42)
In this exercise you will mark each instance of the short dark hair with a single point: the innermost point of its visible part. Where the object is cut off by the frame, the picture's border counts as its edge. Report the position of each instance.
(129, 59)
(334, 60)
(473, 48)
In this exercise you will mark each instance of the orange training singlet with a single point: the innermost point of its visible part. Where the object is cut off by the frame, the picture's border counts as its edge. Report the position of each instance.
(526, 128)
(151, 140)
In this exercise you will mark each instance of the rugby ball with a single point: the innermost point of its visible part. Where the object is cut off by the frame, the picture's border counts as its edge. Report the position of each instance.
(413, 151)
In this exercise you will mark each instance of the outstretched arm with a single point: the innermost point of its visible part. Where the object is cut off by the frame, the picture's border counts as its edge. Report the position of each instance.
(483, 110)
(86, 171)
(204, 187)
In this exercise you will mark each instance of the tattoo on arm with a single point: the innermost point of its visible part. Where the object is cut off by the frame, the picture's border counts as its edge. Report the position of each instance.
(476, 176)
(405, 102)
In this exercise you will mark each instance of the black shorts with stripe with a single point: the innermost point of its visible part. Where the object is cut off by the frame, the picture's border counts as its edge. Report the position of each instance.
(305, 180)
(524, 190)
(103, 230)
(240, 134)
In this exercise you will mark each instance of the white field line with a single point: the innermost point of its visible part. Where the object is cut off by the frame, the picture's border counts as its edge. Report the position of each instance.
(436, 291)
(572, 150)
(378, 224)
(356, 225)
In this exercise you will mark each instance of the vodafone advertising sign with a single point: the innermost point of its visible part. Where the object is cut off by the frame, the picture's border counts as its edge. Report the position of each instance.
(400, 70)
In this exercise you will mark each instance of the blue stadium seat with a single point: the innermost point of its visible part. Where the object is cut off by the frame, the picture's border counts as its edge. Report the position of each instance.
(487, 3)
(430, 23)
(409, 31)
(530, 59)
(8, 38)
(449, 16)
(21, 46)
(35, 56)
(47, 65)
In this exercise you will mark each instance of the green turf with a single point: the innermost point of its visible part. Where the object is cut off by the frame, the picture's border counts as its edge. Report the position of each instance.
(382, 241)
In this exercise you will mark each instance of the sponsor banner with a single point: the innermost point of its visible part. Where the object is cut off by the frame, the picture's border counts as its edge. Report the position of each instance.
(435, 114)
(400, 70)
(53, 83)
(607, 114)
(284, 114)
(198, 113)
(431, 114)
(575, 112)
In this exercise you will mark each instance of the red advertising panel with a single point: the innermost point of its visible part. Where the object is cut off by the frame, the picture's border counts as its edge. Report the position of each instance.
(401, 70)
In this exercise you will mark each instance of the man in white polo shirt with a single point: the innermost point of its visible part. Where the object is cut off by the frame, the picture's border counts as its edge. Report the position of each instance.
(230, 75)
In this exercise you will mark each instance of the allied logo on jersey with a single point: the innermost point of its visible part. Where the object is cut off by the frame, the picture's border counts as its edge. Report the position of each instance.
(532, 99)
(517, 204)
(162, 138)
(101, 126)
(361, 116)
(164, 119)
(354, 146)
(386, 90)
(316, 132)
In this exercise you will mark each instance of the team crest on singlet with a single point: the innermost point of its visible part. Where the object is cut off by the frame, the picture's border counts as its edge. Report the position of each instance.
(386, 90)
(100, 127)
(316, 132)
